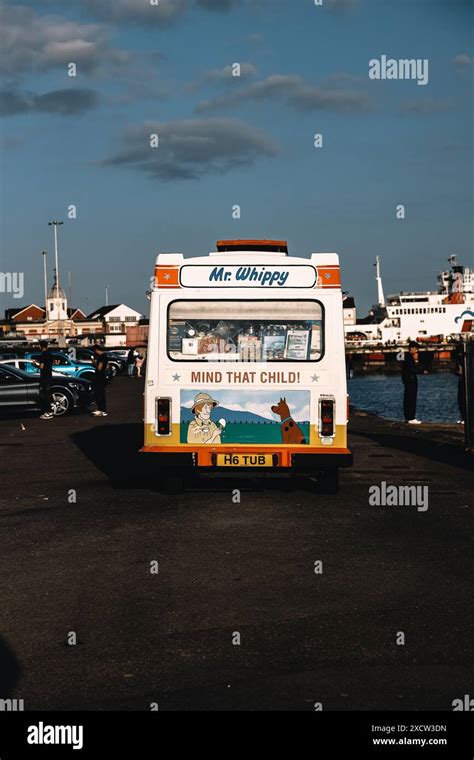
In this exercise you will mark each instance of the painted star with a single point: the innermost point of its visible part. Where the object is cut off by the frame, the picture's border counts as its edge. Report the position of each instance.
(166, 276)
(176, 377)
(314, 378)
(328, 275)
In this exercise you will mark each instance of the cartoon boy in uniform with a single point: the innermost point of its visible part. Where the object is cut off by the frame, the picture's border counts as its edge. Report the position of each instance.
(202, 429)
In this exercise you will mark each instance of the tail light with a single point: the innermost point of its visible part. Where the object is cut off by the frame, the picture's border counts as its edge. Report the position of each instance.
(163, 416)
(326, 417)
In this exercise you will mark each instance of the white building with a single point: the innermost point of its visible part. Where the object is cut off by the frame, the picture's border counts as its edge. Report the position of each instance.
(56, 303)
(116, 319)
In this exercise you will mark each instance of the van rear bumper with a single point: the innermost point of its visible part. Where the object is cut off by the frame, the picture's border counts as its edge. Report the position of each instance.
(206, 458)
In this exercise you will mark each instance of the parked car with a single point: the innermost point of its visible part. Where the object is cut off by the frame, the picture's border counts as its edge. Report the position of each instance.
(86, 354)
(121, 352)
(117, 359)
(67, 366)
(27, 365)
(20, 391)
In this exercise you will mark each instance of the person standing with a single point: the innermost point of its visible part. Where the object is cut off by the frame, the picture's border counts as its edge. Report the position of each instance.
(100, 362)
(139, 364)
(459, 369)
(131, 362)
(46, 373)
(410, 382)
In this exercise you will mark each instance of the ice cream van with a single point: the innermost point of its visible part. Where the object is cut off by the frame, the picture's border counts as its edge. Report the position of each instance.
(246, 364)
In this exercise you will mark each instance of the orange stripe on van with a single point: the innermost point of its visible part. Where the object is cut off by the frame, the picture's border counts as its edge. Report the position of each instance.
(329, 276)
(167, 277)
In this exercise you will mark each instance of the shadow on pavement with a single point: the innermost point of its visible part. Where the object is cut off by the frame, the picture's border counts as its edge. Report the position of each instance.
(423, 445)
(114, 450)
(10, 670)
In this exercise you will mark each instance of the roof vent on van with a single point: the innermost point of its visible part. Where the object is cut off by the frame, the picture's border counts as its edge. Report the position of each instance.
(273, 246)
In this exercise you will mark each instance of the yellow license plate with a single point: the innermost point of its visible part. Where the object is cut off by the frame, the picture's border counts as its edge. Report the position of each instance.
(244, 460)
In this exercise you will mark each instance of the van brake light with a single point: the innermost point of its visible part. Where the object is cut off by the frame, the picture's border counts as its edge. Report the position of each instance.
(163, 416)
(326, 417)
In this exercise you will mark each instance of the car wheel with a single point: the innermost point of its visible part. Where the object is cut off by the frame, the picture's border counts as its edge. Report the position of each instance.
(61, 402)
(113, 369)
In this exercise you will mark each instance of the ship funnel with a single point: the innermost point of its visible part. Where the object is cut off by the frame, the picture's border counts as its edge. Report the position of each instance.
(378, 279)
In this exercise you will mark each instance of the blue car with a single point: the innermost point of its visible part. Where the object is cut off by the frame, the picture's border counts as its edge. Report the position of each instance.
(65, 365)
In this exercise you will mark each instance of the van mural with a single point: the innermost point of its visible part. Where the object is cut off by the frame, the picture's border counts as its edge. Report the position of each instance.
(241, 416)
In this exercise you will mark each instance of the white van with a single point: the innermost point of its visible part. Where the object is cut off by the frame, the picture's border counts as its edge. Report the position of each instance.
(246, 362)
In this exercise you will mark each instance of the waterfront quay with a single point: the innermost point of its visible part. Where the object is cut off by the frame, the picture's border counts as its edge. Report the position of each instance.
(82, 565)
(433, 357)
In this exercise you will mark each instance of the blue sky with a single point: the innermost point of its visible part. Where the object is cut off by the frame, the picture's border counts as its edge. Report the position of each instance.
(227, 140)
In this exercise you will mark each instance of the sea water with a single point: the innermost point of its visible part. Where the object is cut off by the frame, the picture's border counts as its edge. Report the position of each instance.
(383, 395)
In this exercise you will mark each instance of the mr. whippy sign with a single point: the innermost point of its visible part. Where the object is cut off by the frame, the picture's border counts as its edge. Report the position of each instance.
(248, 276)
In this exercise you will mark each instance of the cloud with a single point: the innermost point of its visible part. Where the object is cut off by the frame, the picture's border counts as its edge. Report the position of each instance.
(424, 106)
(189, 149)
(142, 12)
(63, 102)
(247, 70)
(343, 78)
(223, 76)
(463, 59)
(295, 92)
(136, 11)
(31, 43)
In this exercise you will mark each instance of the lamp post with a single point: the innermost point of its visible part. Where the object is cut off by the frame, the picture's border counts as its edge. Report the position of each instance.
(45, 274)
(55, 224)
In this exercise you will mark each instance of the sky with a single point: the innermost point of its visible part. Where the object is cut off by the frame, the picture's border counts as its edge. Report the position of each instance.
(227, 140)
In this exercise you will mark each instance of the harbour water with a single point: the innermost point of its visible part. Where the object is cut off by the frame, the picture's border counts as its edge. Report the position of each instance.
(383, 395)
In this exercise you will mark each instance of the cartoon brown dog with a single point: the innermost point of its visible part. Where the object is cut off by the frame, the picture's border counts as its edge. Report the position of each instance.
(290, 431)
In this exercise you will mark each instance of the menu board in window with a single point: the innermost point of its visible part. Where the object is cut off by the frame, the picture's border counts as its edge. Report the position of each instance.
(297, 344)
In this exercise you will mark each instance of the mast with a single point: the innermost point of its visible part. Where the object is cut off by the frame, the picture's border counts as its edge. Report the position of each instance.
(378, 279)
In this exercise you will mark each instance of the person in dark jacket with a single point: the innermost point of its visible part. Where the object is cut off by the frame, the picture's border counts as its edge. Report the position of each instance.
(131, 362)
(410, 382)
(46, 372)
(459, 369)
(100, 380)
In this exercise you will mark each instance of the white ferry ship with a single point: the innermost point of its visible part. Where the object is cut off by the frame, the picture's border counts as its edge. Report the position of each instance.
(418, 315)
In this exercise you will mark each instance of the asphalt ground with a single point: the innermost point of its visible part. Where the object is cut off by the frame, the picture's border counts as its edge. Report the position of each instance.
(82, 516)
